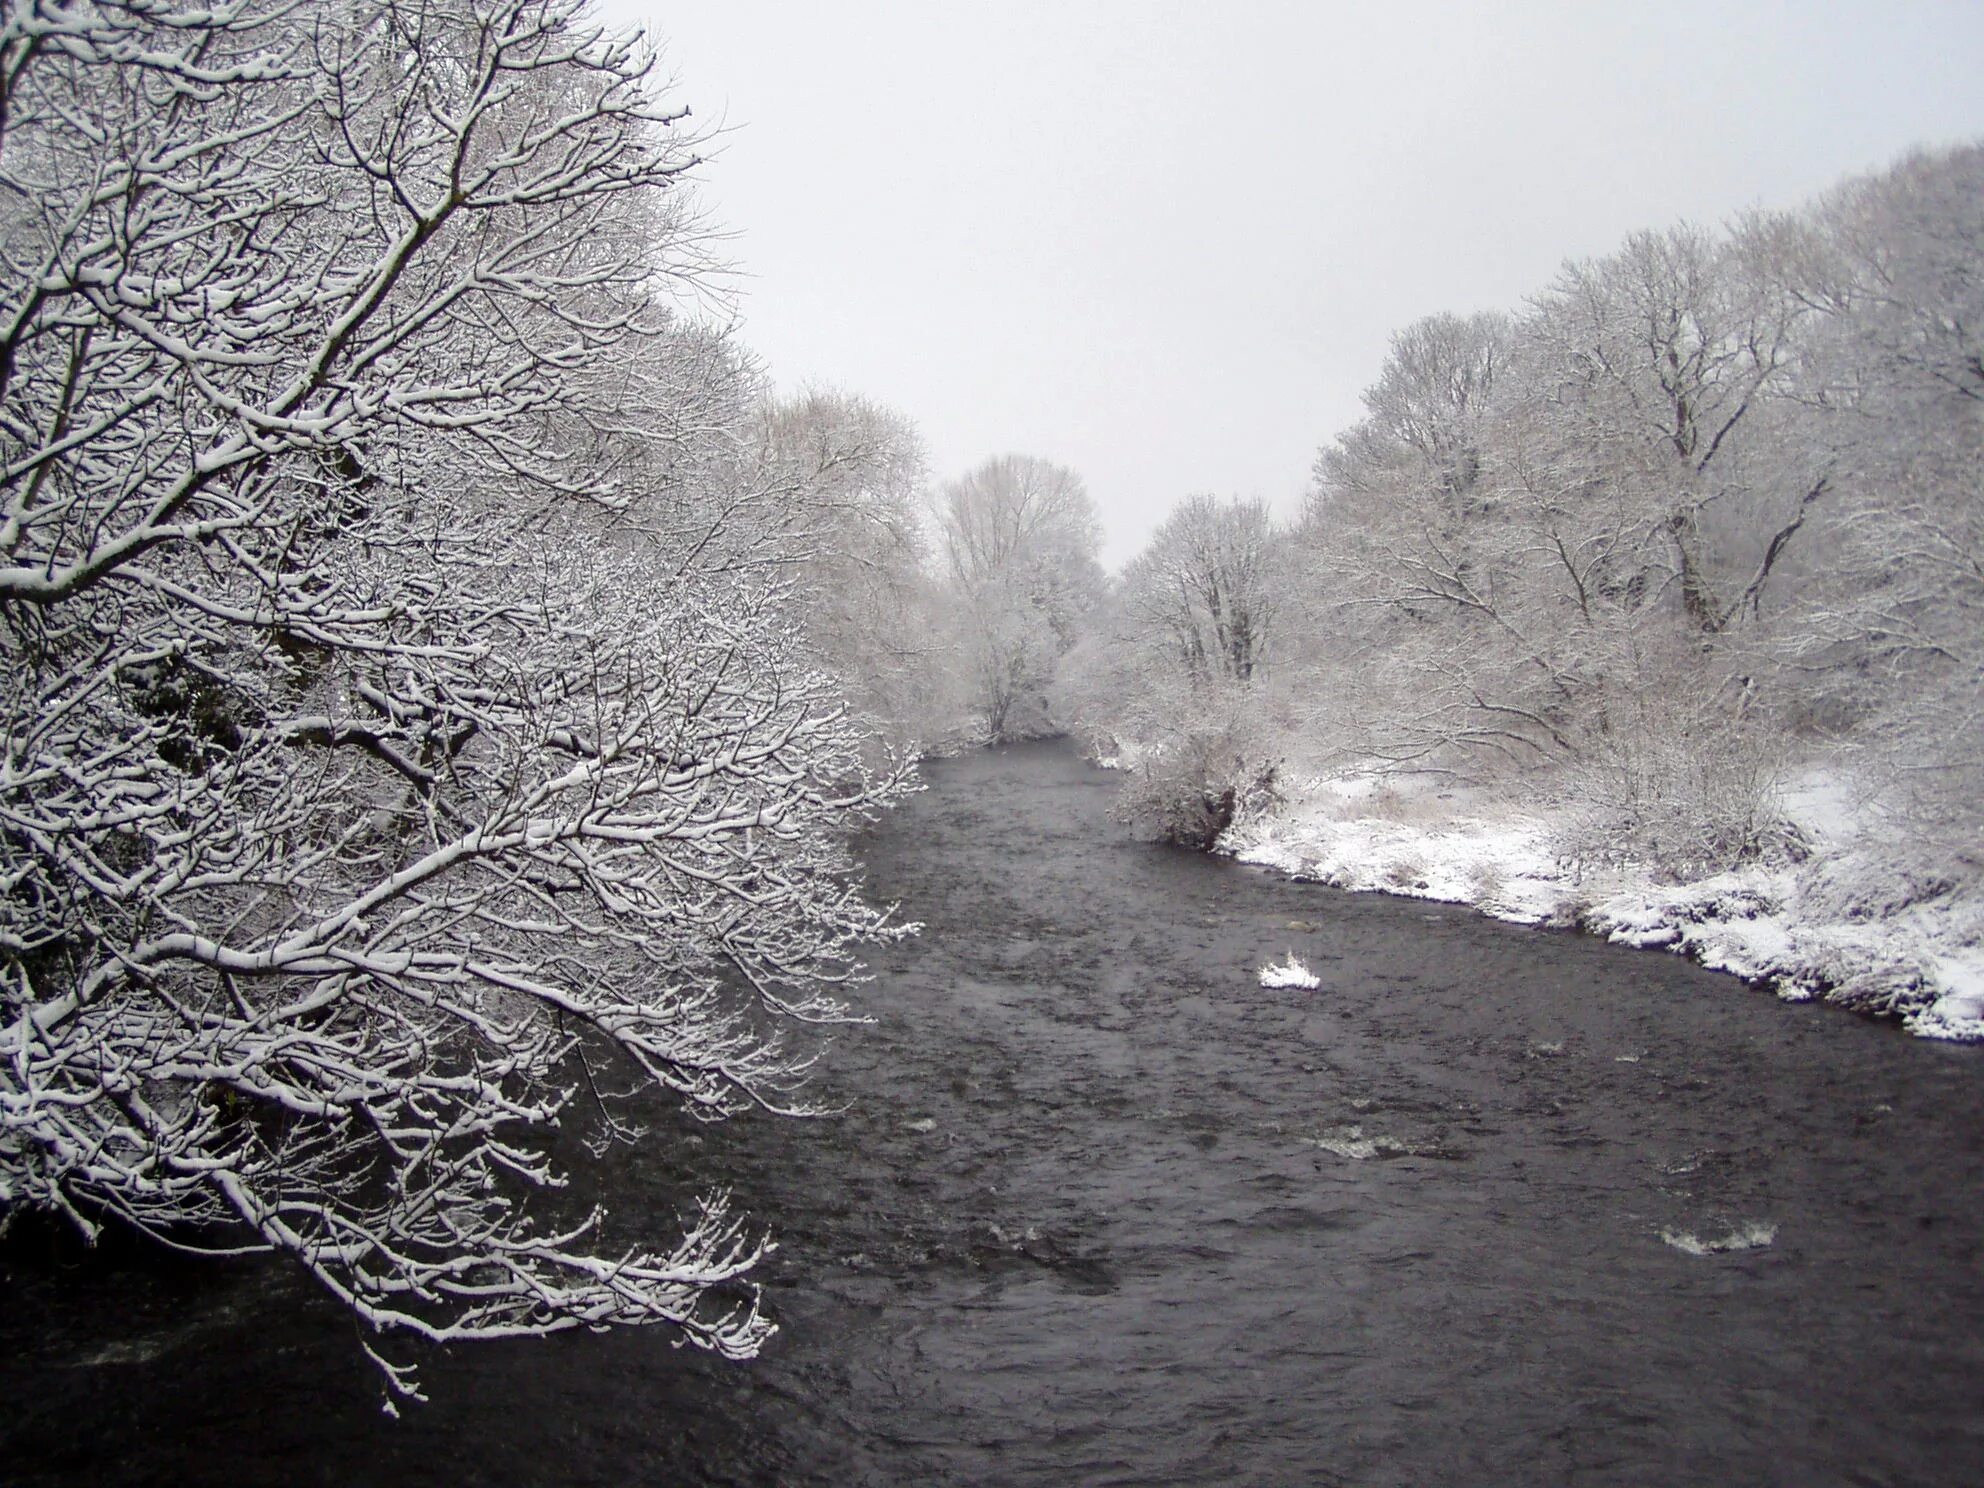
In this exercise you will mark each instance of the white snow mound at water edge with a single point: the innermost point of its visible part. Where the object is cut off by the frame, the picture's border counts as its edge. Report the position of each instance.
(1832, 925)
(1290, 973)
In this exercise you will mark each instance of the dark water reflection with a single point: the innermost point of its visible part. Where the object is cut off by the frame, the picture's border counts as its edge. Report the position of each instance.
(1105, 1211)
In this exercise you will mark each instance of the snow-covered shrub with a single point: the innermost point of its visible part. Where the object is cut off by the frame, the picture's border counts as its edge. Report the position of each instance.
(1215, 765)
(1676, 783)
(1878, 882)
(1485, 884)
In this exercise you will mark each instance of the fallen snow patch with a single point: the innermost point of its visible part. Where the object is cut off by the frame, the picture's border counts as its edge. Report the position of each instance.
(1743, 1237)
(1290, 973)
(1348, 1141)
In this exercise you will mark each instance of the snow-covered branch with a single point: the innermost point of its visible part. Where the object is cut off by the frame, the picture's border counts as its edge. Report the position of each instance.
(378, 755)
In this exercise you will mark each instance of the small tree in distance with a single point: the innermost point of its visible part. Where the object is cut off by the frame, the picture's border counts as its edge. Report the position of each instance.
(1019, 538)
(1194, 624)
(1211, 583)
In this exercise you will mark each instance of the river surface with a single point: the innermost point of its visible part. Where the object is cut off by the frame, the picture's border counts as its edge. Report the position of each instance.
(1102, 1210)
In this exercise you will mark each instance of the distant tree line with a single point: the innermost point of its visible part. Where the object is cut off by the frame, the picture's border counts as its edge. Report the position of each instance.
(1706, 506)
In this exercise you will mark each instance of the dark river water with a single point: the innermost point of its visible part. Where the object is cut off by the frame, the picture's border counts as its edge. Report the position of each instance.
(1104, 1211)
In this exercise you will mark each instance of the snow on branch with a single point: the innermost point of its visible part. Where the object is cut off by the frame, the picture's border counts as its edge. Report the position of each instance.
(374, 764)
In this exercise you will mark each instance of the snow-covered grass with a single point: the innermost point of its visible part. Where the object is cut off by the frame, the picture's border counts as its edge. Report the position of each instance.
(1289, 973)
(1841, 923)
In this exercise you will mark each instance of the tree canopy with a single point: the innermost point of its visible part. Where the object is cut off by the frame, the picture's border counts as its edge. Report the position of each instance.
(409, 739)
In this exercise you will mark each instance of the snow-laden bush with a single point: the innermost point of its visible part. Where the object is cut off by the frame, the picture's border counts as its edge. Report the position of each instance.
(1677, 783)
(1214, 765)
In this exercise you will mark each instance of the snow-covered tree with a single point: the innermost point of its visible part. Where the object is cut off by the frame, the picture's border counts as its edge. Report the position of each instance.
(396, 745)
(1019, 538)
(1422, 437)
(1892, 626)
(1428, 619)
(1648, 384)
(1209, 585)
(1542, 523)
(1176, 662)
(1410, 611)
(851, 474)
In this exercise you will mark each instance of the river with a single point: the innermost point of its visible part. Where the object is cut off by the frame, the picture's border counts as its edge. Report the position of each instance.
(1102, 1210)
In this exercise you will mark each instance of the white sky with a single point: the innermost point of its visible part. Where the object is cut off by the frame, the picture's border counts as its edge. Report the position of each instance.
(1167, 244)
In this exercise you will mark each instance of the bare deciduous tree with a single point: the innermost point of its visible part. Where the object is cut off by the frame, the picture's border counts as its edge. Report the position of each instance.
(1649, 377)
(1423, 430)
(851, 473)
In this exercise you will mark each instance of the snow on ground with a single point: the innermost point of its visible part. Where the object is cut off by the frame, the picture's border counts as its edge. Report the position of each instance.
(1833, 926)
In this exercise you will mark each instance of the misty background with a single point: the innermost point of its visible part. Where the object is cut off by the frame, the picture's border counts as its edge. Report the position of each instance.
(1166, 245)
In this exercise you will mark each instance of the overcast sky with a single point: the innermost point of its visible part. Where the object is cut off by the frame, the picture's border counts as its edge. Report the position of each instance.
(1167, 244)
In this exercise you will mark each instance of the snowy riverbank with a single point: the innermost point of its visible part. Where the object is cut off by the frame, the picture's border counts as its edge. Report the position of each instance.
(1841, 924)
